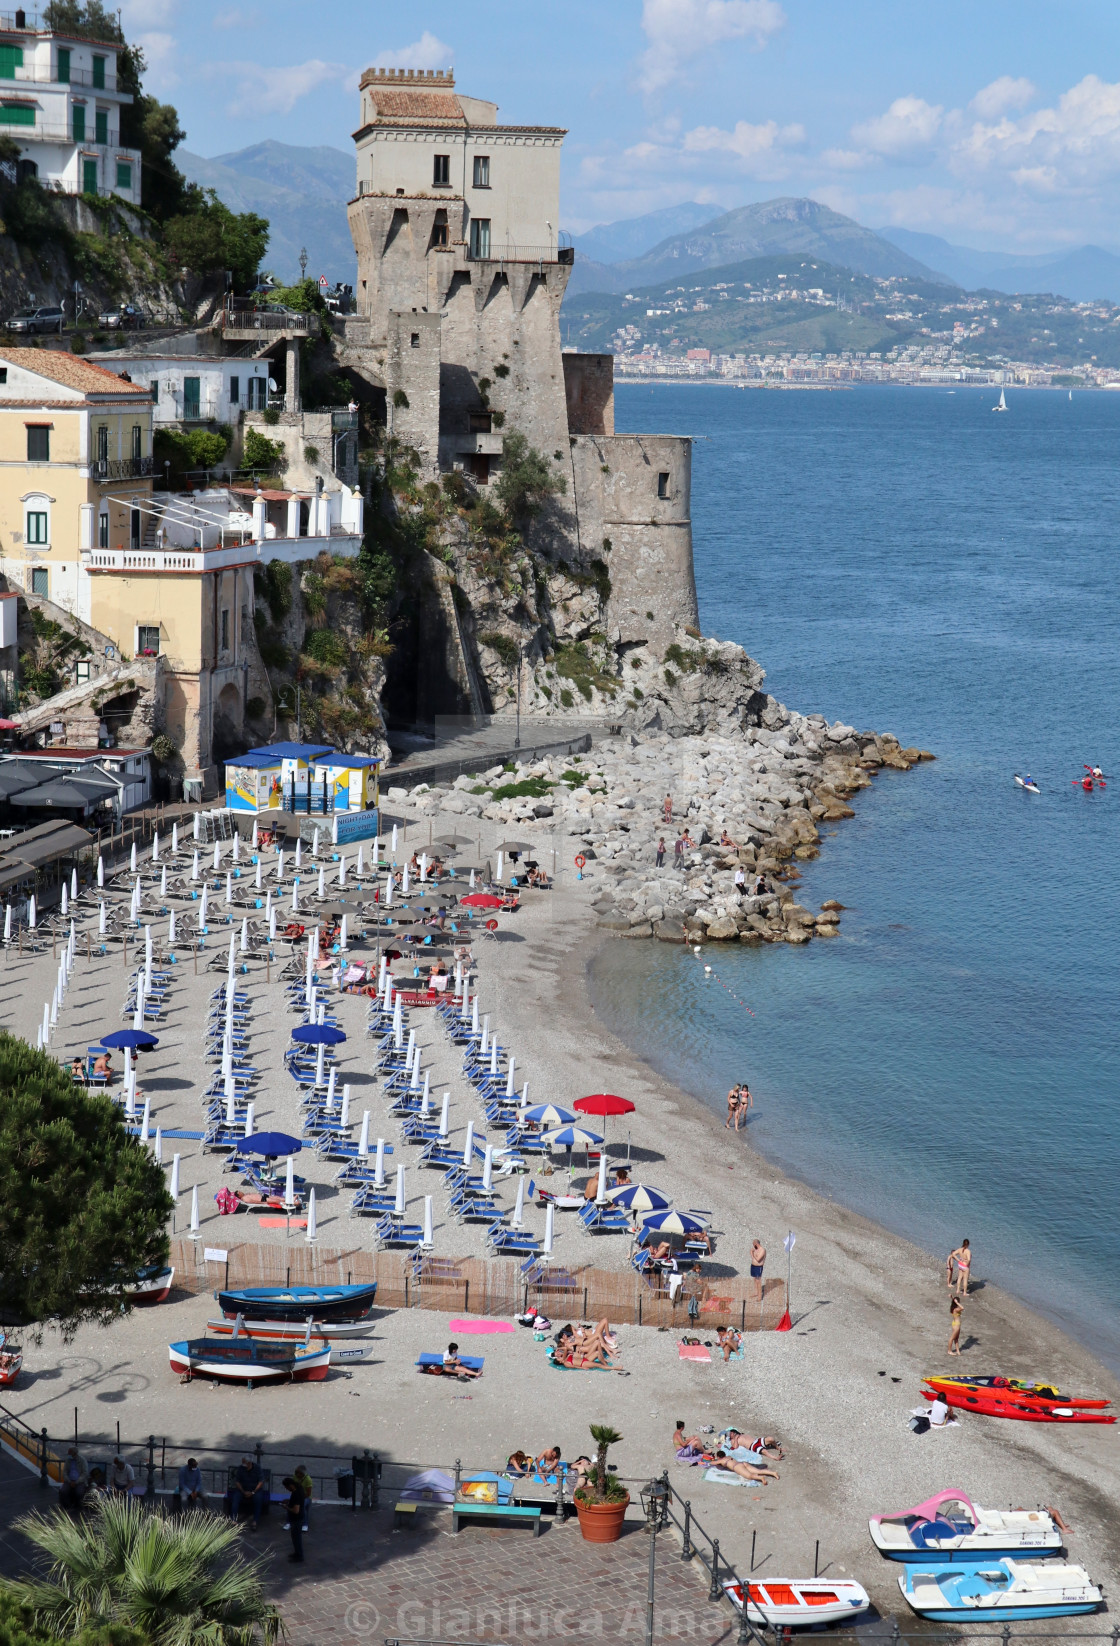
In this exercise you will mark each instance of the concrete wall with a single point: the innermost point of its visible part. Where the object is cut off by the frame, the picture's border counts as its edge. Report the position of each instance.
(589, 392)
(617, 481)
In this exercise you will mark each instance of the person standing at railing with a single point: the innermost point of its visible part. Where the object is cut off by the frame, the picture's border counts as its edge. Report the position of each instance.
(75, 1480)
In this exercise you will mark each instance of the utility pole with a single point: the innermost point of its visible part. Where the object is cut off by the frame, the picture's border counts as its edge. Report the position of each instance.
(303, 262)
(517, 738)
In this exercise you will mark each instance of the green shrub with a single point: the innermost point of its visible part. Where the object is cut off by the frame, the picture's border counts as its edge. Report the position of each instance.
(506, 648)
(277, 579)
(311, 455)
(259, 452)
(566, 698)
(190, 449)
(327, 647)
(501, 370)
(314, 593)
(526, 482)
(686, 662)
(272, 416)
(530, 788)
(400, 399)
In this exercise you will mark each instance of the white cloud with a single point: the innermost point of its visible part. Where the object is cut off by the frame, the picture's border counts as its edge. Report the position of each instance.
(161, 53)
(1003, 94)
(678, 30)
(756, 147)
(276, 89)
(906, 132)
(1074, 145)
(847, 159)
(137, 16)
(426, 53)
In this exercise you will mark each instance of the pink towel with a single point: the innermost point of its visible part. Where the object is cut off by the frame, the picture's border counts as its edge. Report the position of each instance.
(693, 1351)
(480, 1327)
(282, 1222)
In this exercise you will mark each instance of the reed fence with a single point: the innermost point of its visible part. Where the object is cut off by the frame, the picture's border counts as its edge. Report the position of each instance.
(479, 1286)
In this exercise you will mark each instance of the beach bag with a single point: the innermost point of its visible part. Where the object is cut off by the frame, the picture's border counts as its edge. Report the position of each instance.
(919, 1425)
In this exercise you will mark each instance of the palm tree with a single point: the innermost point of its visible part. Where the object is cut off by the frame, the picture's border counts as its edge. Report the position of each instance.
(604, 1436)
(174, 1580)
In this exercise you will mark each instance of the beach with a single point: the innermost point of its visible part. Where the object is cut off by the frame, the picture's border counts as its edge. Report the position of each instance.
(870, 1311)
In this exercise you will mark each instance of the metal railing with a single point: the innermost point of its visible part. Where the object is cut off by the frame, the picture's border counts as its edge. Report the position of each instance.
(267, 320)
(66, 134)
(121, 468)
(520, 254)
(34, 74)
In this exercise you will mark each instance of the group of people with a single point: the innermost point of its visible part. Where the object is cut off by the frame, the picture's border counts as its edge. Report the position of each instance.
(78, 1480)
(958, 1268)
(739, 1105)
(584, 1346)
(732, 1451)
(548, 1467)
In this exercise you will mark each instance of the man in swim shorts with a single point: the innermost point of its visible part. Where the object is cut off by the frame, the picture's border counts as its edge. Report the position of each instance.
(758, 1261)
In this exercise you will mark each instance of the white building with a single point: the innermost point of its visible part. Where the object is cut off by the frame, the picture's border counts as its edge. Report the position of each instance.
(59, 99)
(195, 388)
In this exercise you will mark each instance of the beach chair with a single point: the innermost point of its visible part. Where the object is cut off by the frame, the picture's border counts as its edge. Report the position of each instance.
(471, 1208)
(603, 1219)
(441, 1155)
(394, 1231)
(512, 1240)
(371, 1201)
(419, 1131)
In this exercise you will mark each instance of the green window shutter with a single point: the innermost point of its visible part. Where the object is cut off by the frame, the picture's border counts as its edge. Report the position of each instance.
(16, 114)
(89, 176)
(79, 123)
(40, 582)
(99, 73)
(64, 65)
(101, 126)
(11, 59)
(124, 175)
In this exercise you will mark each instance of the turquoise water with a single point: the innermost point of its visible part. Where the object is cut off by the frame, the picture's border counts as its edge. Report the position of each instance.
(904, 560)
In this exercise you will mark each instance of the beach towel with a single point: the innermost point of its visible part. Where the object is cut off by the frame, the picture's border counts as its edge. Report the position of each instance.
(693, 1351)
(281, 1223)
(480, 1327)
(726, 1477)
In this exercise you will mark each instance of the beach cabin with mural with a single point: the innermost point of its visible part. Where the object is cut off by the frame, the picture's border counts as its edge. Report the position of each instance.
(301, 777)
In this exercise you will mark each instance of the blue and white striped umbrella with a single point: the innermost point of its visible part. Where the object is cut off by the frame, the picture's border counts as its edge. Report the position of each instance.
(678, 1223)
(640, 1197)
(573, 1137)
(547, 1114)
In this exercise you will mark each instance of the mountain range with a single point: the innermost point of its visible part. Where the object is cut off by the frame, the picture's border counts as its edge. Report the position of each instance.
(1083, 274)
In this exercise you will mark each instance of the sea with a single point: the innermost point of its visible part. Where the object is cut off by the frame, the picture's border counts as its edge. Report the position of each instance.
(906, 560)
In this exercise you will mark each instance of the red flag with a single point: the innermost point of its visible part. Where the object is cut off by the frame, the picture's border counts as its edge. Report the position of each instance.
(785, 1324)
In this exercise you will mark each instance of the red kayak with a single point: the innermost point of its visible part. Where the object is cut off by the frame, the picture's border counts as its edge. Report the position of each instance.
(1009, 1397)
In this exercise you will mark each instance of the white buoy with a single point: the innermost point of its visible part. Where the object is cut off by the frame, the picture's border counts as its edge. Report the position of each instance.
(312, 1225)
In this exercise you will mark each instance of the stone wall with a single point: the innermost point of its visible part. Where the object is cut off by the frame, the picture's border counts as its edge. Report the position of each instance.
(589, 392)
(412, 383)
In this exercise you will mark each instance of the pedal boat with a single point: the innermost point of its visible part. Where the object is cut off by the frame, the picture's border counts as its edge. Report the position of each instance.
(799, 1603)
(1008, 1397)
(998, 1591)
(950, 1528)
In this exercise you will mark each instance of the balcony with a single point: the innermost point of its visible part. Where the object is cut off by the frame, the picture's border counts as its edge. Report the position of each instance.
(33, 74)
(521, 254)
(121, 468)
(248, 322)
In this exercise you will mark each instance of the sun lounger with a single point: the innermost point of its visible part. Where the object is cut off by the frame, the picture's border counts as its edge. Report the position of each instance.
(603, 1219)
(426, 1362)
(392, 1231)
(471, 1210)
(372, 1201)
(510, 1240)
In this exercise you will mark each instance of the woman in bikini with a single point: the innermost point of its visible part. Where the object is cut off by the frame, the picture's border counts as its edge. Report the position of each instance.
(747, 1470)
(956, 1311)
(732, 1109)
(962, 1257)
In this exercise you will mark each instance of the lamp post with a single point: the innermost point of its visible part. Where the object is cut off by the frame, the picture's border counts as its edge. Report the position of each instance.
(655, 1502)
(517, 736)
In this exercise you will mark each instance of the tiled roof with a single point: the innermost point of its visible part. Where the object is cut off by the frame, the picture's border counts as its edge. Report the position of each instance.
(74, 373)
(392, 104)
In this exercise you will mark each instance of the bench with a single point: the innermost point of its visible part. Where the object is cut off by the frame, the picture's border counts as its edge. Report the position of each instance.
(404, 1513)
(519, 1513)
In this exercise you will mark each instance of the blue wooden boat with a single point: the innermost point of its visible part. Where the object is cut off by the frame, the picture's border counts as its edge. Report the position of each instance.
(998, 1591)
(300, 1303)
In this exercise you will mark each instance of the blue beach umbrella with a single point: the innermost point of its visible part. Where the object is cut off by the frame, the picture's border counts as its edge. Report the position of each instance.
(640, 1197)
(134, 1039)
(547, 1114)
(318, 1034)
(572, 1137)
(271, 1144)
(678, 1223)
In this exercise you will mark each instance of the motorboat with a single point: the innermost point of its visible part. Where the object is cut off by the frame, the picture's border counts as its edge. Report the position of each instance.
(152, 1285)
(281, 1331)
(799, 1603)
(325, 1304)
(949, 1527)
(1009, 1397)
(999, 1591)
(248, 1360)
(11, 1360)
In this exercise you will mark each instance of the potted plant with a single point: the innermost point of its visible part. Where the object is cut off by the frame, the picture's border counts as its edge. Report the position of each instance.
(602, 1501)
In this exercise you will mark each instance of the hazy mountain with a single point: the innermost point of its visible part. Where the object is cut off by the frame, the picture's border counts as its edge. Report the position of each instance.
(1081, 275)
(634, 236)
(302, 192)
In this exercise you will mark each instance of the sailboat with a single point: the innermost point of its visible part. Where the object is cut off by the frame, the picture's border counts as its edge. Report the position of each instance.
(1071, 394)
(1002, 402)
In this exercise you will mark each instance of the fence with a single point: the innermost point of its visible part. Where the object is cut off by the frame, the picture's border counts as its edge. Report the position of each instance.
(481, 1286)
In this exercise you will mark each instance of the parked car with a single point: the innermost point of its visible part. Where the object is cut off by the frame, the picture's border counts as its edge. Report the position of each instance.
(49, 318)
(117, 319)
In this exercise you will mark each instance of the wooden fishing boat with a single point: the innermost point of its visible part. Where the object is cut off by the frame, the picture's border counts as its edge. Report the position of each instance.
(949, 1528)
(325, 1304)
(248, 1360)
(1009, 1397)
(999, 1591)
(280, 1331)
(152, 1285)
(799, 1603)
(11, 1361)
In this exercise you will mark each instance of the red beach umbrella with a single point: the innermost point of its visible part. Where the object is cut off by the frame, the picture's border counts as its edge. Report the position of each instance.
(480, 900)
(603, 1103)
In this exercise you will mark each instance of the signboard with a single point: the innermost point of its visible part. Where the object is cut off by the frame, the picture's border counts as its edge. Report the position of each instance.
(323, 282)
(354, 826)
(215, 1254)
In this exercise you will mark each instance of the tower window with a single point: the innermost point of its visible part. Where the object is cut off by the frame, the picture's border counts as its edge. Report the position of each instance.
(225, 629)
(414, 340)
(480, 237)
(482, 171)
(663, 485)
(441, 171)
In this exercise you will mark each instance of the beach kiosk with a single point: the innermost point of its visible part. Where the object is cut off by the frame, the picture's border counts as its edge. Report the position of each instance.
(308, 778)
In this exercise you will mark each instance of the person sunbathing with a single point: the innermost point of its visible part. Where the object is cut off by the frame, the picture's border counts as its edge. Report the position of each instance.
(548, 1463)
(519, 1463)
(728, 1340)
(748, 1471)
(77, 1069)
(693, 1442)
(102, 1065)
(579, 1473)
(763, 1446)
(594, 1347)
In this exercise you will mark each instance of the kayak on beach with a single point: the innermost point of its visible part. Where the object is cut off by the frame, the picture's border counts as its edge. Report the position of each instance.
(1009, 1397)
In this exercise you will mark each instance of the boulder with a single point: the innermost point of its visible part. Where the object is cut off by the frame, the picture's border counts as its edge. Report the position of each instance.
(828, 930)
(798, 934)
(668, 931)
(642, 929)
(832, 905)
(723, 929)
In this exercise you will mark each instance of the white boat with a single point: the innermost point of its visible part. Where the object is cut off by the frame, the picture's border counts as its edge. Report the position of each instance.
(151, 1285)
(1032, 788)
(799, 1603)
(248, 1360)
(1002, 402)
(999, 1591)
(283, 1331)
(949, 1527)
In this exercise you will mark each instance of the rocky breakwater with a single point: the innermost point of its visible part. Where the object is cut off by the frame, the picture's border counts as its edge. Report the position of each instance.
(764, 788)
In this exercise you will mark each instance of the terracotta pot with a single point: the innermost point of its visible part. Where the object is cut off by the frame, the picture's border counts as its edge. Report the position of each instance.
(602, 1522)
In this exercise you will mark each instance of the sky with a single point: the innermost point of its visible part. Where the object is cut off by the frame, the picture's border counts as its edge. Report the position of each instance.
(995, 124)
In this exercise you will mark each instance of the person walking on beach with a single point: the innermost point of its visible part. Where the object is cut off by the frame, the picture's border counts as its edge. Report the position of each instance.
(678, 852)
(732, 1109)
(956, 1311)
(758, 1263)
(659, 860)
(962, 1257)
(746, 1103)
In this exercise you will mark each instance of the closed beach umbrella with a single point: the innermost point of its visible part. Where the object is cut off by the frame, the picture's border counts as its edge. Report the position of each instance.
(217, 854)
(250, 1118)
(290, 1182)
(231, 1102)
(295, 896)
(549, 1214)
(400, 1202)
(315, 843)
(322, 882)
(65, 900)
(229, 889)
(444, 1114)
(256, 836)
(343, 936)
(132, 858)
(202, 907)
(244, 937)
(345, 1117)
(174, 837)
(342, 870)
(427, 1220)
(379, 1163)
(155, 845)
(171, 929)
(678, 1223)
(174, 1185)
(547, 1114)
(332, 1080)
(196, 825)
(361, 863)
(157, 1147)
(100, 870)
(501, 865)
(73, 882)
(258, 876)
(518, 1205)
(194, 1231)
(272, 925)
(299, 851)
(488, 1168)
(145, 1119)
(640, 1197)
(163, 881)
(280, 863)
(468, 1146)
(32, 912)
(195, 867)
(472, 880)
(404, 881)
(363, 1140)
(236, 847)
(389, 888)
(312, 1222)
(8, 922)
(601, 1186)
(573, 1137)
(101, 923)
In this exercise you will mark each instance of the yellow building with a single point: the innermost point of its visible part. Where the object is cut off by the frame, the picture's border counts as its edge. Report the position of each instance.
(75, 470)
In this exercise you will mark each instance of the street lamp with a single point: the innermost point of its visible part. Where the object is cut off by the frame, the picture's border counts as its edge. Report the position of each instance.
(517, 737)
(655, 1502)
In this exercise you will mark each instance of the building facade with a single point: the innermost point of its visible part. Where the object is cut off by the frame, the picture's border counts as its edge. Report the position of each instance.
(197, 388)
(61, 101)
